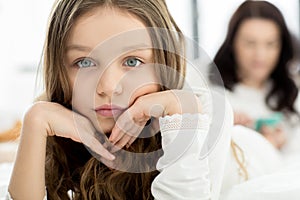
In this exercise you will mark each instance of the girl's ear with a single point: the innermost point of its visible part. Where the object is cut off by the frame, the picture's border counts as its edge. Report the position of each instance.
(42, 97)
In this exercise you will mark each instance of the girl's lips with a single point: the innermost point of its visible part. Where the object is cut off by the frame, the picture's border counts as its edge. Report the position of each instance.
(109, 110)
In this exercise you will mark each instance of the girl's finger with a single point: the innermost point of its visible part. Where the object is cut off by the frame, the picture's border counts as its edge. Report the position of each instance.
(116, 134)
(109, 163)
(97, 147)
(130, 142)
(121, 143)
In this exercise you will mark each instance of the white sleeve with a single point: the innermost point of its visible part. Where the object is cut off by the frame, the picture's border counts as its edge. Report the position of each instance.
(183, 175)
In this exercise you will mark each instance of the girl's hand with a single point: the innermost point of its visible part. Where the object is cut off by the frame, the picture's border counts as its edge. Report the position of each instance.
(275, 135)
(62, 122)
(130, 124)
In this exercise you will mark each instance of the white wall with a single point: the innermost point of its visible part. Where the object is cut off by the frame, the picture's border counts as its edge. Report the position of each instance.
(181, 11)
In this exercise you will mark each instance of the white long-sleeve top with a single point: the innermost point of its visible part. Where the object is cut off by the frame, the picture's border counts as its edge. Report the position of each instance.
(184, 174)
(189, 177)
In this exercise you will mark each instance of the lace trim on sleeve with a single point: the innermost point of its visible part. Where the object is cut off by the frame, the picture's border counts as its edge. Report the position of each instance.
(184, 121)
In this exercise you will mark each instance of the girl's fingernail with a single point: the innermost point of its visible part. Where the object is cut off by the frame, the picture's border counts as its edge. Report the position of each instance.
(111, 139)
(112, 142)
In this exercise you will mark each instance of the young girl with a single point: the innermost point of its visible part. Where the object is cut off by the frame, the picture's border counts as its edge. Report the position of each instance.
(253, 62)
(102, 59)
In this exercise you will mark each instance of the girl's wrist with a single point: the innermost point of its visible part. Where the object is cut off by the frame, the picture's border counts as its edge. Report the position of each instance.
(172, 103)
(180, 102)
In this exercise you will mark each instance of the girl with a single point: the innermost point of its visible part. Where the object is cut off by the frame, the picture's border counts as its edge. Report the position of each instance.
(253, 62)
(119, 66)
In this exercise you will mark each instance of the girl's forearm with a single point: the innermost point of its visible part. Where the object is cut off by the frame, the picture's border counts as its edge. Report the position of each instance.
(28, 177)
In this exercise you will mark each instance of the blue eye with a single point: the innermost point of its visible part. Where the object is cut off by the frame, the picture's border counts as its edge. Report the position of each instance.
(84, 63)
(132, 62)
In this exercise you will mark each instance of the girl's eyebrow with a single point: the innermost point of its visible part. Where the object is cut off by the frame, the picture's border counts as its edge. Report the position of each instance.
(126, 48)
(79, 48)
(134, 47)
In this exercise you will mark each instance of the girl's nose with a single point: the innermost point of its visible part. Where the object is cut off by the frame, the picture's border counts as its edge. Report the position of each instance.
(110, 82)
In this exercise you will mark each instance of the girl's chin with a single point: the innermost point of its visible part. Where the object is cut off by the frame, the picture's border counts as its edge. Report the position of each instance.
(104, 126)
(106, 131)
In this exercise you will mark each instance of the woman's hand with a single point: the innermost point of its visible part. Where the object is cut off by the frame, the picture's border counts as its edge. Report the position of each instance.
(275, 135)
(241, 118)
(62, 122)
(130, 124)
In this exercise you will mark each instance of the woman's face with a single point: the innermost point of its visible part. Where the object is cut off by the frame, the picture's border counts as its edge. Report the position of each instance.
(109, 73)
(257, 48)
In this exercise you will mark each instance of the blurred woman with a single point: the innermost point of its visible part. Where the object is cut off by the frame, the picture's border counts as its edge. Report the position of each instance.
(253, 62)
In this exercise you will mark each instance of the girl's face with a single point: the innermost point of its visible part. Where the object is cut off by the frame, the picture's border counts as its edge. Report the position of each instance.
(108, 73)
(257, 47)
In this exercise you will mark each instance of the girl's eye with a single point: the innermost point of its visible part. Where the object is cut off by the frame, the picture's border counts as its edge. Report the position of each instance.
(84, 63)
(132, 62)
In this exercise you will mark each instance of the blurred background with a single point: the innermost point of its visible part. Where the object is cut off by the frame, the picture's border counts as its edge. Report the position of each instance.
(23, 25)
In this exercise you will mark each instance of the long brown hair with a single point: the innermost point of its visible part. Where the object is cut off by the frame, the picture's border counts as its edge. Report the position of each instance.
(69, 165)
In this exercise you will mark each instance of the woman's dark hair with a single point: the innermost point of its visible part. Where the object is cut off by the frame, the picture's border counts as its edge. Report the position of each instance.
(283, 90)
